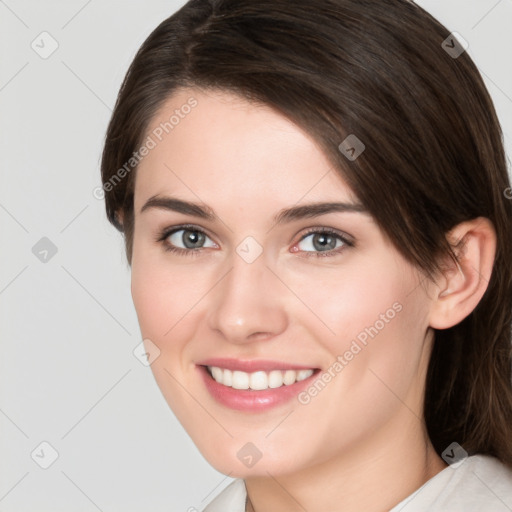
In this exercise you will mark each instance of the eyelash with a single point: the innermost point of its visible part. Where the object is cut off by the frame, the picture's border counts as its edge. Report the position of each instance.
(162, 238)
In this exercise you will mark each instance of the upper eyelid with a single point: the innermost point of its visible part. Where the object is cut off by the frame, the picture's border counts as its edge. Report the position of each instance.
(166, 232)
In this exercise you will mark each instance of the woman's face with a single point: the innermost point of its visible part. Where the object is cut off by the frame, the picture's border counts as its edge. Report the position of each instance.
(313, 309)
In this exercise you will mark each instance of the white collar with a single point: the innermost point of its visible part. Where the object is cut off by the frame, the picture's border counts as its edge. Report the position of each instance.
(231, 499)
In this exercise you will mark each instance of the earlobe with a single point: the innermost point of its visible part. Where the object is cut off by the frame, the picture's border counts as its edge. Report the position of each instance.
(463, 283)
(119, 216)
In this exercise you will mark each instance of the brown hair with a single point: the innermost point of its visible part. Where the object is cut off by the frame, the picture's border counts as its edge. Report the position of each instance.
(433, 155)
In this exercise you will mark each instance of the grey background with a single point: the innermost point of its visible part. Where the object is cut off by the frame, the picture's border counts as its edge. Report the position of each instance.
(68, 327)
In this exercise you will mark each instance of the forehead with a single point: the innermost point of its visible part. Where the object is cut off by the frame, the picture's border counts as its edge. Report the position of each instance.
(213, 145)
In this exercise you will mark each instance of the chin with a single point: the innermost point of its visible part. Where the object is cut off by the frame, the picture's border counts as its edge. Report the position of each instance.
(244, 459)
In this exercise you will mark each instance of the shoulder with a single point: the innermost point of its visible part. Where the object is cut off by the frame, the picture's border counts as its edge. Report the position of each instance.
(231, 499)
(480, 483)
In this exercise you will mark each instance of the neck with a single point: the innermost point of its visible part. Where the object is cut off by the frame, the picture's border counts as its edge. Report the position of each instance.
(373, 478)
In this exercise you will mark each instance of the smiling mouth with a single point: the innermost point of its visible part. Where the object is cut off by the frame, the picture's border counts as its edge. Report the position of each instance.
(259, 380)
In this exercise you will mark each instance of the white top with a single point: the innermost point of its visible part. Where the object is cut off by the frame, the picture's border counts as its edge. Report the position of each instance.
(479, 483)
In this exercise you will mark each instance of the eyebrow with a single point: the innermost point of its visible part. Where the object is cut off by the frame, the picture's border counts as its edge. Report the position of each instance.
(283, 216)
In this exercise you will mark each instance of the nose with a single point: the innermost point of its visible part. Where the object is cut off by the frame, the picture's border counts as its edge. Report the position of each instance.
(248, 304)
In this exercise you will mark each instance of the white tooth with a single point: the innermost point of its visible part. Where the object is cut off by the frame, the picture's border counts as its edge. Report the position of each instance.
(275, 379)
(304, 374)
(258, 381)
(216, 373)
(289, 377)
(240, 380)
(228, 378)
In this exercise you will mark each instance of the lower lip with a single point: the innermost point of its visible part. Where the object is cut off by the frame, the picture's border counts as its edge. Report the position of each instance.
(251, 400)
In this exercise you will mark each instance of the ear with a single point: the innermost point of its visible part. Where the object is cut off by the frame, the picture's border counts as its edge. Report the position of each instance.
(462, 285)
(120, 216)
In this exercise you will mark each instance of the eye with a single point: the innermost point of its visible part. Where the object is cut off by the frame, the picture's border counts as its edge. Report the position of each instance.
(323, 242)
(189, 240)
(185, 240)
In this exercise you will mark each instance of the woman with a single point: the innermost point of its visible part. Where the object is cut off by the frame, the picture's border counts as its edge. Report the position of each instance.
(313, 199)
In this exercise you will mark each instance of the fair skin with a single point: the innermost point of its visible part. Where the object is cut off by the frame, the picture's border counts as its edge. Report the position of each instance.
(364, 431)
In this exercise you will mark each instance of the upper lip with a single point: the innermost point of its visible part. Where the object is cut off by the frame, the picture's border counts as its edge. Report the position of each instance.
(253, 365)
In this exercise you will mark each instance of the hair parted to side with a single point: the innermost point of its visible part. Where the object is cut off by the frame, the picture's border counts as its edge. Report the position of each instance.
(434, 154)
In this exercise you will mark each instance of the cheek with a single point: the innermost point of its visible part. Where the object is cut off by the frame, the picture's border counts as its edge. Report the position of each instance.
(347, 301)
(372, 317)
(375, 351)
(164, 295)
